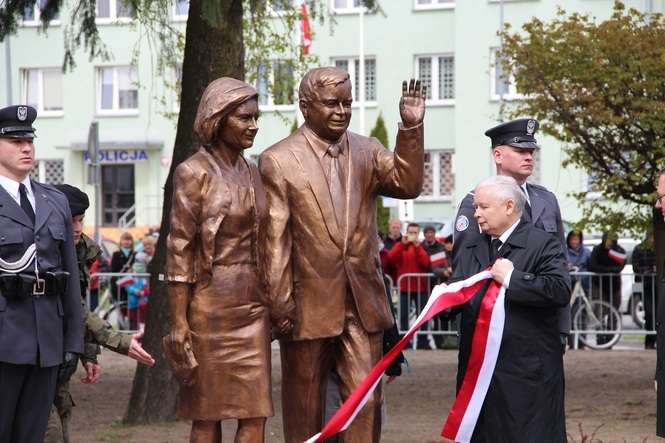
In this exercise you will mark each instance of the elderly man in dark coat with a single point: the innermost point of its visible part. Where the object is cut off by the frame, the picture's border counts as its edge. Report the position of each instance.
(525, 399)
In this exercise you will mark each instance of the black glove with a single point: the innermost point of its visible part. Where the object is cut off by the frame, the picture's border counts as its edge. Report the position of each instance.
(67, 367)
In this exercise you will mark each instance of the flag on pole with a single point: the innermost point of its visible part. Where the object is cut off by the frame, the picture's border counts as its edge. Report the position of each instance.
(486, 342)
(305, 29)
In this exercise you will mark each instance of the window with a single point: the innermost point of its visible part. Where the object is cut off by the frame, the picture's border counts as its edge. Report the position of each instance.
(51, 172)
(437, 72)
(276, 84)
(117, 192)
(117, 90)
(32, 14)
(434, 4)
(345, 6)
(114, 10)
(352, 66)
(180, 9)
(42, 89)
(502, 83)
(280, 6)
(439, 180)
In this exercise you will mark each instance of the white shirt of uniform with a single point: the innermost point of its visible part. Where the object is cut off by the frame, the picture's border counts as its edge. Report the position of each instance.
(11, 186)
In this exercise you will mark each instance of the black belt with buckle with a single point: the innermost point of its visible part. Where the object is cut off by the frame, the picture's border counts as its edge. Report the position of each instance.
(28, 285)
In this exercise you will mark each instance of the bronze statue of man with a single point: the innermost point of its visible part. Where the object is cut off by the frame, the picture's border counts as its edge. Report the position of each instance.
(321, 256)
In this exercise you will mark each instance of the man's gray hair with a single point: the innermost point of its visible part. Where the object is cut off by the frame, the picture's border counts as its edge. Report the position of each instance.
(505, 188)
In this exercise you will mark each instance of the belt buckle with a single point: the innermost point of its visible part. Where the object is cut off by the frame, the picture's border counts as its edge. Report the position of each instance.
(39, 287)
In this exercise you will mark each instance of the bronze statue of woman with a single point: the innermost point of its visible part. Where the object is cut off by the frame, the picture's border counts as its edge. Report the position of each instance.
(218, 310)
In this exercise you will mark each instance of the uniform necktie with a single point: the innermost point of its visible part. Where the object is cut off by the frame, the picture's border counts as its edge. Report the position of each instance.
(527, 206)
(25, 203)
(336, 187)
(494, 249)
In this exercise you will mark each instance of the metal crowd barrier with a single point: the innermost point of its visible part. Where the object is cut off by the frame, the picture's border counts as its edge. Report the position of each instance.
(604, 307)
(119, 298)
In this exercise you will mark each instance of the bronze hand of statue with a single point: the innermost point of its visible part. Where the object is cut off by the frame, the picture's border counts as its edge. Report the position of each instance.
(412, 103)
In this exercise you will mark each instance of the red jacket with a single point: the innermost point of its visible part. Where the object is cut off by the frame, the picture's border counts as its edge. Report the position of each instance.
(410, 259)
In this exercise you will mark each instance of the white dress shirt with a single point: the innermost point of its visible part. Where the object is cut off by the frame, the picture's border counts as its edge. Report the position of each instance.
(11, 186)
(503, 238)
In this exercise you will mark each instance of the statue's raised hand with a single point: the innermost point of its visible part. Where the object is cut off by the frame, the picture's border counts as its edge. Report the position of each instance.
(412, 103)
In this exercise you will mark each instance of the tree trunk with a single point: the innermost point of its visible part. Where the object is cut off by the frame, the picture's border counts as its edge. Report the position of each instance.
(213, 48)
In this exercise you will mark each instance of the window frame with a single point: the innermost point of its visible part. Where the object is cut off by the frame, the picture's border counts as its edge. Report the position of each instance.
(179, 17)
(436, 178)
(346, 10)
(352, 75)
(434, 6)
(25, 72)
(435, 101)
(36, 22)
(115, 111)
(271, 106)
(113, 18)
(512, 87)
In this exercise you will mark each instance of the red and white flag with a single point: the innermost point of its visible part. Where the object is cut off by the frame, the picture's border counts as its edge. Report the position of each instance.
(125, 281)
(486, 342)
(305, 29)
(617, 257)
(438, 259)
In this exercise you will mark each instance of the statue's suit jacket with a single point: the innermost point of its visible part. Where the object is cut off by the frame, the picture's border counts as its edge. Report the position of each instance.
(311, 261)
(39, 330)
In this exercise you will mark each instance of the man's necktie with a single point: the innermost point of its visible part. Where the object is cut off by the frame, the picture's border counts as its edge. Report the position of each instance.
(25, 203)
(527, 206)
(494, 249)
(336, 187)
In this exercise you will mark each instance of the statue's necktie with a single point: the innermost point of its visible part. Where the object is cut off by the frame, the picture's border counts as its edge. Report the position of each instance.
(336, 186)
(25, 203)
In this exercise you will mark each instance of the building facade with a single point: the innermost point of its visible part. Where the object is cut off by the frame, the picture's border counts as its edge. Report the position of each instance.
(448, 44)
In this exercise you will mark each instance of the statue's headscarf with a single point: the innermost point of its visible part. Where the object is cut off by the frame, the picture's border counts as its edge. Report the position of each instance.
(218, 100)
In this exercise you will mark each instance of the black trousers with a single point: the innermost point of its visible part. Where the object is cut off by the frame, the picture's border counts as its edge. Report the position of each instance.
(27, 393)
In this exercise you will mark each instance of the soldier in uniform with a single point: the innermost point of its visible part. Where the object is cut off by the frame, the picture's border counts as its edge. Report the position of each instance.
(513, 144)
(40, 313)
(97, 331)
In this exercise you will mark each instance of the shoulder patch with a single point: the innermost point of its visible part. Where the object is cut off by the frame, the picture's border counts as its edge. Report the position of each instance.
(461, 223)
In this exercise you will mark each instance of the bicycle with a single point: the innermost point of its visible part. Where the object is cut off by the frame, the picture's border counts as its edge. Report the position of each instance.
(596, 323)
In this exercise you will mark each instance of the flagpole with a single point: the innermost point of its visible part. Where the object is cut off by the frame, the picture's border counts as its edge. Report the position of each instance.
(361, 71)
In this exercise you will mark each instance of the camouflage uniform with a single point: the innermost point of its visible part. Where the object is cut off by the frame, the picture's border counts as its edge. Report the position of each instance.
(97, 332)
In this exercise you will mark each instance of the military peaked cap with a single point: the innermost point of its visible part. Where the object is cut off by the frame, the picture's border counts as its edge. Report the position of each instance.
(16, 122)
(517, 133)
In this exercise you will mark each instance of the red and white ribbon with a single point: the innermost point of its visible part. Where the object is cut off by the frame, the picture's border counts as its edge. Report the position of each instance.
(485, 349)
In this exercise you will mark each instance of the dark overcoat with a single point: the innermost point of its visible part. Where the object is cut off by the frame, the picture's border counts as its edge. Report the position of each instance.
(545, 215)
(525, 399)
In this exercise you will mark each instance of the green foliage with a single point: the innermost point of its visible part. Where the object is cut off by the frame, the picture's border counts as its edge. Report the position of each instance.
(294, 126)
(380, 132)
(599, 88)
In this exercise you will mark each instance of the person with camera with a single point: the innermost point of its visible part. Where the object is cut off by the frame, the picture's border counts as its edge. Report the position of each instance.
(410, 257)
